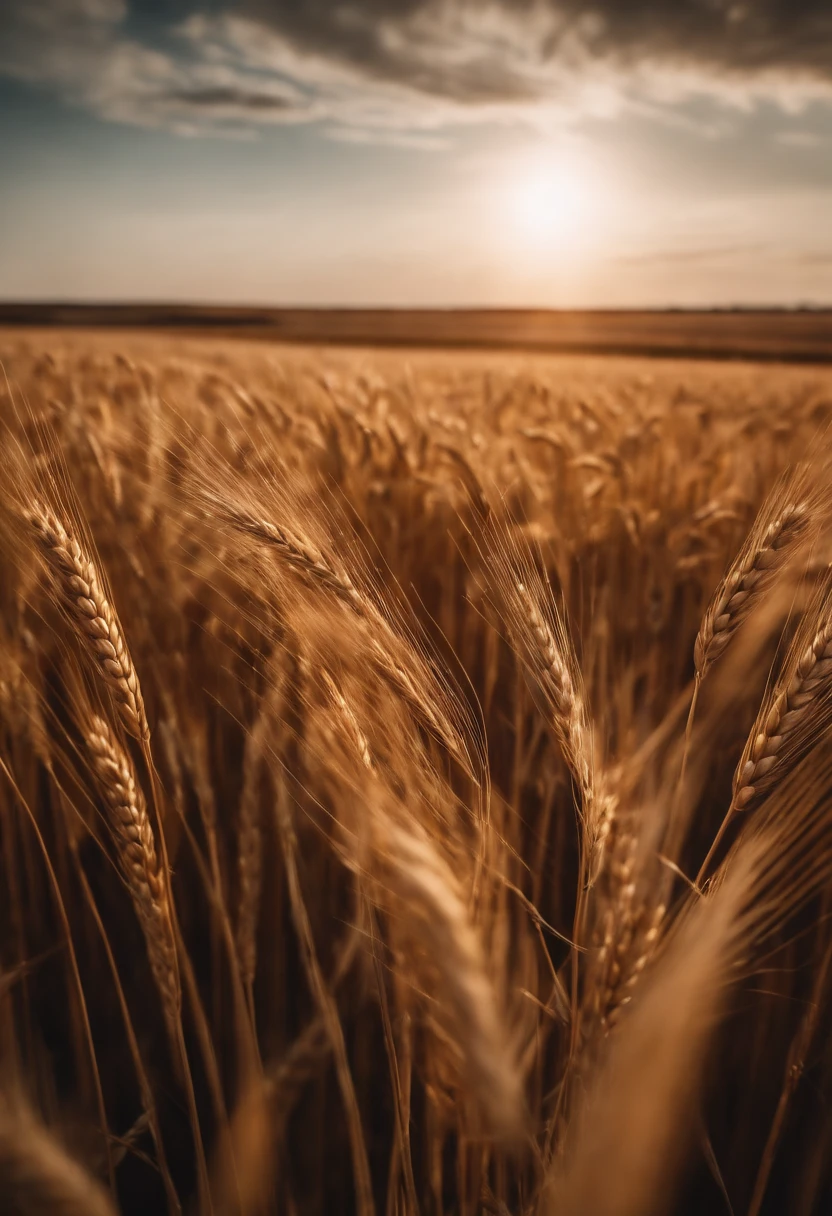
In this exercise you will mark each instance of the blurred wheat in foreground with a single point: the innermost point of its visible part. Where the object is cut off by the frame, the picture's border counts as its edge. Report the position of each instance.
(415, 783)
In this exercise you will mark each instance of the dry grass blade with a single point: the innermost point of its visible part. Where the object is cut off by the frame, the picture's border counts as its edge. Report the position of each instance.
(80, 589)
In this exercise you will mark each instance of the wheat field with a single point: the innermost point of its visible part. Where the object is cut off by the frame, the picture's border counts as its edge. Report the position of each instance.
(415, 781)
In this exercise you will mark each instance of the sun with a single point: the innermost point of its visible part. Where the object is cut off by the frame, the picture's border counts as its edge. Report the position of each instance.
(548, 207)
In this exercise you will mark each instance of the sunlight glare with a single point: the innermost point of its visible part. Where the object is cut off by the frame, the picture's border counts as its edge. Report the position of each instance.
(550, 208)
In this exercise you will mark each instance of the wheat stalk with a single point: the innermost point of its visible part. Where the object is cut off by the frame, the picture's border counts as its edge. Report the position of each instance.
(136, 849)
(249, 857)
(250, 831)
(425, 885)
(79, 587)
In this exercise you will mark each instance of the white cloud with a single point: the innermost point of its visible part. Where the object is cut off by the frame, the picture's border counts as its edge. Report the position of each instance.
(78, 49)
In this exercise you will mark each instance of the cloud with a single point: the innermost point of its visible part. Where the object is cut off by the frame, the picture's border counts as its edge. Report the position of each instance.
(506, 50)
(409, 140)
(79, 49)
(800, 139)
(413, 66)
(709, 253)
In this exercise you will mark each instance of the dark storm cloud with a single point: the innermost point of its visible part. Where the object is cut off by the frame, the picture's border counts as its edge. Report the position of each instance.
(739, 35)
(389, 38)
(405, 64)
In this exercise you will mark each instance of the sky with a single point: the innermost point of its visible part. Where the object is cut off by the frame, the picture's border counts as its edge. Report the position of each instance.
(417, 153)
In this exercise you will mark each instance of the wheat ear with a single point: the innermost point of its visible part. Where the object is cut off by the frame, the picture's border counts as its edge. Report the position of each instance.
(556, 674)
(769, 544)
(136, 848)
(79, 587)
(799, 703)
(628, 933)
(302, 557)
(349, 721)
(797, 698)
(298, 553)
(546, 649)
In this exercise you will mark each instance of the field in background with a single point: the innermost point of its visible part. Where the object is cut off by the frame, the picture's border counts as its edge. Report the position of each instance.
(776, 334)
(345, 695)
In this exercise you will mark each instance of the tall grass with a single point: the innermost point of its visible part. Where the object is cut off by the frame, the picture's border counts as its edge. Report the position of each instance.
(414, 783)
